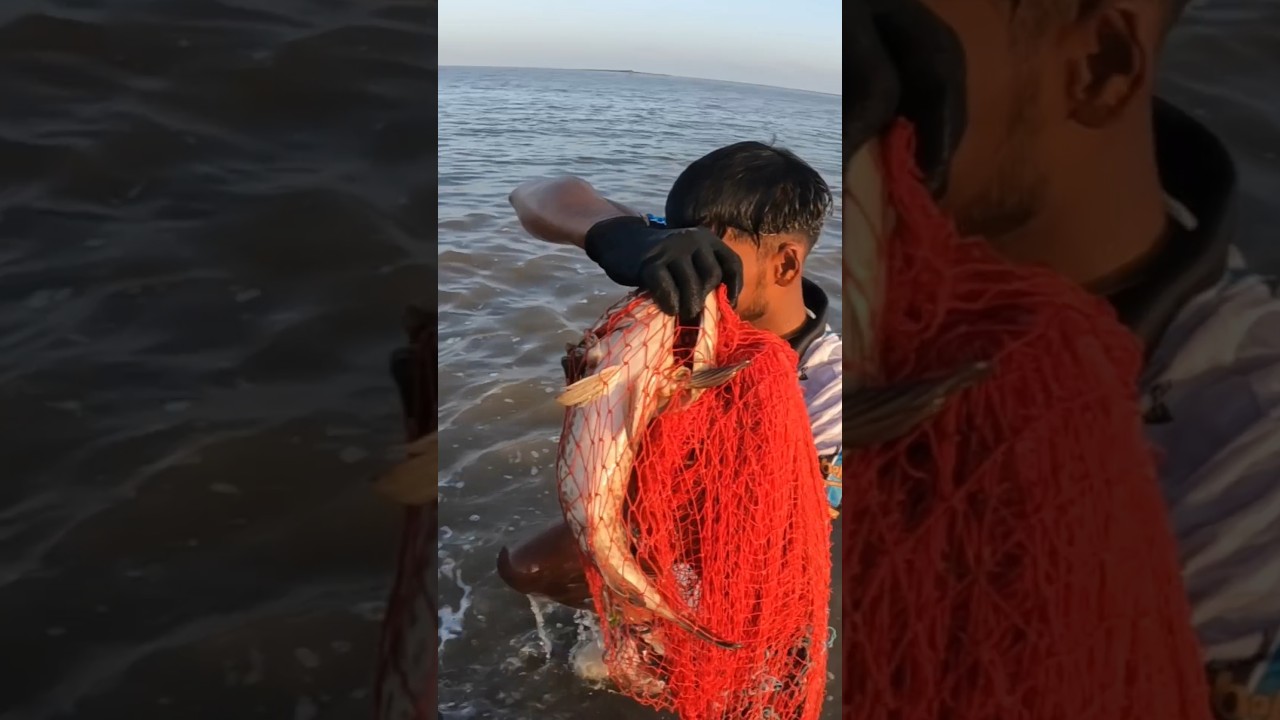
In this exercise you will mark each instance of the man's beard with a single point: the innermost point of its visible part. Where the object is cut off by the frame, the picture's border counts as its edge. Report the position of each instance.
(1012, 197)
(759, 305)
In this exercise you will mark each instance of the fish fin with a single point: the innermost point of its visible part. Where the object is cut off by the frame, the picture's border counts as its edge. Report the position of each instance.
(412, 482)
(429, 443)
(715, 376)
(886, 413)
(588, 388)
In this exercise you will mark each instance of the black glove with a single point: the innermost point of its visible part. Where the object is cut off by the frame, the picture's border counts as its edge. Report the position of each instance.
(906, 62)
(677, 266)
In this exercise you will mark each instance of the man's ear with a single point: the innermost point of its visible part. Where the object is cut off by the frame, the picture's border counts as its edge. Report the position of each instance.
(1110, 60)
(788, 263)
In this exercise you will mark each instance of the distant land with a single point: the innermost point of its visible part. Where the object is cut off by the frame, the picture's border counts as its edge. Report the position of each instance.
(649, 74)
(629, 72)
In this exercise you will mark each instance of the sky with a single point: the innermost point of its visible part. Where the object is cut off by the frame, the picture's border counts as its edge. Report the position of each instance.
(793, 43)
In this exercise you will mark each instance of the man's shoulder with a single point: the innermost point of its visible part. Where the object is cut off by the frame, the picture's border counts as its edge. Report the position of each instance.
(824, 352)
(1232, 328)
(821, 381)
(1219, 360)
(1212, 407)
(822, 365)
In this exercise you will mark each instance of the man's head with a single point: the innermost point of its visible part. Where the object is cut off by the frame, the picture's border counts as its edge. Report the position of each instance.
(766, 203)
(1057, 89)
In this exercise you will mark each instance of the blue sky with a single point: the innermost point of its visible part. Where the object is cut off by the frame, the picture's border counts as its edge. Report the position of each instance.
(793, 43)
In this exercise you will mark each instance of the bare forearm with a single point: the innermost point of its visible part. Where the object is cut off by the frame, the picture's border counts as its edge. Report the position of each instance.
(561, 210)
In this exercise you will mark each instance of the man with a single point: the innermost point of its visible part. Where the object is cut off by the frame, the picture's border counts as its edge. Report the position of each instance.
(747, 214)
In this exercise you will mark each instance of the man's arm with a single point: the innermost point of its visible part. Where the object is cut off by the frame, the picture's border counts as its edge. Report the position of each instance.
(677, 266)
(561, 210)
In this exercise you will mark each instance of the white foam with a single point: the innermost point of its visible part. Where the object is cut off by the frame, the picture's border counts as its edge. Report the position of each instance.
(451, 621)
(587, 656)
(540, 607)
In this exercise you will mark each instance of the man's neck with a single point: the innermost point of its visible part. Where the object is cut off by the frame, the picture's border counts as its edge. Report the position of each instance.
(1100, 229)
(786, 315)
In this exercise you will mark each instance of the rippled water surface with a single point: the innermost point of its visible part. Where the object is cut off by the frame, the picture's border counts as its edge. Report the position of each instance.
(211, 214)
(509, 304)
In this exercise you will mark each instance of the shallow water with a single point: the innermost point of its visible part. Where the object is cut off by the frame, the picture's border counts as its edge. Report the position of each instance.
(508, 305)
(1221, 65)
(210, 218)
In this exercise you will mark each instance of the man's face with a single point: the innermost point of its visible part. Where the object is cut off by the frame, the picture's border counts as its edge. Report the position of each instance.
(753, 301)
(998, 172)
(769, 271)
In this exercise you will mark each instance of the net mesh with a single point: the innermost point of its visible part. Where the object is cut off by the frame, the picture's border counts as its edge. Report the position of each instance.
(405, 684)
(724, 513)
(1010, 558)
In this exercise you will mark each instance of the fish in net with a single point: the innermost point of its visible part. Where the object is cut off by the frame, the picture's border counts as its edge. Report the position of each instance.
(687, 471)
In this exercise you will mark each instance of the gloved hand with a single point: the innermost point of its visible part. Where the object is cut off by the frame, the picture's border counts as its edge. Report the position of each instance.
(906, 62)
(677, 266)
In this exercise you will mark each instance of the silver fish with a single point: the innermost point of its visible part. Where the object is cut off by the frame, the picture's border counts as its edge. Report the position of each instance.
(879, 412)
(867, 220)
(631, 377)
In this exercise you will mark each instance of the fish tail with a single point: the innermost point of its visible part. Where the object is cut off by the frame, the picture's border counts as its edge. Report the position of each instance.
(704, 634)
(638, 598)
(695, 629)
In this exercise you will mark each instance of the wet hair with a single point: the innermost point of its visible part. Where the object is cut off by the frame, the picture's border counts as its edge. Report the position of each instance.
(753, 188)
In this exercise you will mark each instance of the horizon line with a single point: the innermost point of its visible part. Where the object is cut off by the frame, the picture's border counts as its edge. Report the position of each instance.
(641, 72)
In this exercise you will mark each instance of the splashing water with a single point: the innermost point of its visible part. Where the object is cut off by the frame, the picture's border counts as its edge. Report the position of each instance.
(540, 606)
(587, 656)
(451, 620)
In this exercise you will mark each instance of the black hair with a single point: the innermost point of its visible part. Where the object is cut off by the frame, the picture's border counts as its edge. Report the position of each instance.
(754, 188)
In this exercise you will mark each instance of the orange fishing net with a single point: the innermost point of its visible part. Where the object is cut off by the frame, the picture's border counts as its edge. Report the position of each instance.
(726, 514)
(1010, 558)
(405, 686)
